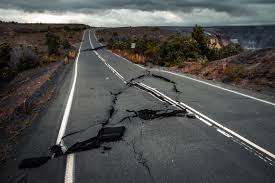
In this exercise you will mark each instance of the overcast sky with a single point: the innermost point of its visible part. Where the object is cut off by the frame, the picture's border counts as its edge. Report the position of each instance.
(140, 12)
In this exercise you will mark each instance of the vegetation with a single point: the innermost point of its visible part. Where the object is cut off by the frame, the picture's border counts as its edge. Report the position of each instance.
(66, 44)
(234, 73)
(176, 49)
(5, 72)
(53, 43)
(15, 60)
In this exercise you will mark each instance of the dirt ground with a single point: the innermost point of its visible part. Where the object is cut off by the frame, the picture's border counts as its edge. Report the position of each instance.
(23, 97)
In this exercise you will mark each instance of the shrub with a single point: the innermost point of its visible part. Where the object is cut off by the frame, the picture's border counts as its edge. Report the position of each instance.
(122, 45)
(229, 50)
(151, 49)
(23, 57)
(5, 71)
(178, 49)
(4, 53)
(13, 60)
(53, 43)
(234, 73)
(66, 44)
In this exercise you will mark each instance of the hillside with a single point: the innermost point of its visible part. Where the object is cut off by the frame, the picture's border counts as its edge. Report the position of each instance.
(253, 69)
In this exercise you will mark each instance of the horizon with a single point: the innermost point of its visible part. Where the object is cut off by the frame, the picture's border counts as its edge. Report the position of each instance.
(72, 23)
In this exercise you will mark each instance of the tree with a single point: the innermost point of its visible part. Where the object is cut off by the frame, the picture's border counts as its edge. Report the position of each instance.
(201, 39)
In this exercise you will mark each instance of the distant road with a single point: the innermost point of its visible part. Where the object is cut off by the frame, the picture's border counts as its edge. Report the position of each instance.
(231, 138)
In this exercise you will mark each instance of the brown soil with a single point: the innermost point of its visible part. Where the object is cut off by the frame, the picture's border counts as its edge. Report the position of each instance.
(251, 69)
(22, 100)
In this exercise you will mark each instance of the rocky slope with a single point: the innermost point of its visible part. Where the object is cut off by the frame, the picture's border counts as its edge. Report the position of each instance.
(254, 69)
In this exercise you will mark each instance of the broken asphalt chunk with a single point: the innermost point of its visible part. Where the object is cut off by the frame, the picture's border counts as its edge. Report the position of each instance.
(109, 134)
(106, 134)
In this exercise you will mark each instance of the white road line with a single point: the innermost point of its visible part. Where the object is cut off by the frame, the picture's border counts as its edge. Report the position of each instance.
(69, 171)
(104, 61)
(231, 132)
(219, 87)
(70, 100)
(203, 120)
(202, 116)
(224, 133)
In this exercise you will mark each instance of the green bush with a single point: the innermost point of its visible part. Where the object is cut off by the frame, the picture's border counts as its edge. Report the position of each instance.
(178, 49)
(201, 39)
(175, 49)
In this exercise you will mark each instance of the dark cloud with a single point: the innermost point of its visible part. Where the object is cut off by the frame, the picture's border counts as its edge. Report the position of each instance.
(229, 11)
(230, 6)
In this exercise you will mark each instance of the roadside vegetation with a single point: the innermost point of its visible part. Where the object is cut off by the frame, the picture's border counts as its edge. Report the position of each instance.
(174, 50)
(38, 47)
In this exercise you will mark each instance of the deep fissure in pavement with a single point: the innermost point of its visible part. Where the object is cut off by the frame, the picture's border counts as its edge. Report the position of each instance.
(147, 114)
(148, 74)
(106, 134)
(167, 80)
(93, 49)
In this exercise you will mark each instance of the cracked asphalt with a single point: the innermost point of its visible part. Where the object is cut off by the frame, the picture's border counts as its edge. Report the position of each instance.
(160, 143)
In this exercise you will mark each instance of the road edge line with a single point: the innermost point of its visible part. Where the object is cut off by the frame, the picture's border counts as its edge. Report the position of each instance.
(216, 86)
(69, 169)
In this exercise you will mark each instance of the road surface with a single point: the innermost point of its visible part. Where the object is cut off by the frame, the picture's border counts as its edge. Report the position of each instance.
(231, 138)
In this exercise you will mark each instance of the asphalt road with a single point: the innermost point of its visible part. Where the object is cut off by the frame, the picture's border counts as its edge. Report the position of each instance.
(230, 140)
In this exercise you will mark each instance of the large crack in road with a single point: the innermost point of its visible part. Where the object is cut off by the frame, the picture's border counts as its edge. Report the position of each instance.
(107, 134)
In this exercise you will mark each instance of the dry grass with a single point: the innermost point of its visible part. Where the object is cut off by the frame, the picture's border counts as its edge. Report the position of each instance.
(134, 57)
